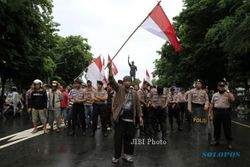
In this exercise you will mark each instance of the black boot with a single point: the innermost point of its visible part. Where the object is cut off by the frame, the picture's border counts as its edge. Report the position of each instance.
(229, 145)
(105, 133)
(92, 134)
(72, 133)
(215, 143)
(84, 132)
(172, 127)
(179, 128)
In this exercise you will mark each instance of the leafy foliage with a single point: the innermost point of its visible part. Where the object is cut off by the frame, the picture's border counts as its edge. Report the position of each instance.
(30, 47)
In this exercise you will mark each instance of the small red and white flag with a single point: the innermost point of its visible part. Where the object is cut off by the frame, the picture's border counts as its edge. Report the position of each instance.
(94, 72)
(115, 70)
(158, 23)
(148, 78)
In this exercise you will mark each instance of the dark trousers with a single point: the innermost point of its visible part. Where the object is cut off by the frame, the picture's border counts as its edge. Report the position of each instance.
(182, 107)
(222, 116)
(99, 109)
(123, 137)
(146, 129)
(159, 116)
(173, 113)
(109, 115)
(78, 110)
(69, 116)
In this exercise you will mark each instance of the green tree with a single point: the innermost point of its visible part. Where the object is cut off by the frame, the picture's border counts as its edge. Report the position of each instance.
(73, 56)
(26, 32)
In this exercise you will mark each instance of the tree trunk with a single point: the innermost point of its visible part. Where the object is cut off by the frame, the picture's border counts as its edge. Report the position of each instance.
(3, 79)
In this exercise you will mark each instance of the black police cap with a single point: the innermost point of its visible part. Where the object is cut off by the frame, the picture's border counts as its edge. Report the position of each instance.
(100, 82)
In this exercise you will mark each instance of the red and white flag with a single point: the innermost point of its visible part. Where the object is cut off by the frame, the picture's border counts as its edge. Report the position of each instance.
(148, 78)
(115, 70)
(94, 72)
(159, 24)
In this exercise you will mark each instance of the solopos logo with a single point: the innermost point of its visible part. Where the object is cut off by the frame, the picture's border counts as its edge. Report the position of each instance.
(221, 154)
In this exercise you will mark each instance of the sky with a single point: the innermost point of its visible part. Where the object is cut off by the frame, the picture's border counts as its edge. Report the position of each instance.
(108, 23)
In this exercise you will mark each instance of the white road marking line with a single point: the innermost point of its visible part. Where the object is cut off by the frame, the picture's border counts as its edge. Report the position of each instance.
(28, 136)
(4, 138)
(22, 136)
(247, 126)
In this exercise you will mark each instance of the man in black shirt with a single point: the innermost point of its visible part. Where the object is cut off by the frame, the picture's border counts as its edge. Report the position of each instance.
(38, 105)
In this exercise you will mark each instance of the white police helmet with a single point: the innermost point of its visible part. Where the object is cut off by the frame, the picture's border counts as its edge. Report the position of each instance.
(37, 81)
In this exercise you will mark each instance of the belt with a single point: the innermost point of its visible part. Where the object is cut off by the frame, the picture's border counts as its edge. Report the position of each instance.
(99, 104)
(197, 105)
(221, 109)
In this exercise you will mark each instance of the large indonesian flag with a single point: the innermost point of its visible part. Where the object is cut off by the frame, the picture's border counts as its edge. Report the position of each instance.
(158, 23)
(94, 72)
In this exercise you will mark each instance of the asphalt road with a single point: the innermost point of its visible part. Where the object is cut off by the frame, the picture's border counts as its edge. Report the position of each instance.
(183, 149)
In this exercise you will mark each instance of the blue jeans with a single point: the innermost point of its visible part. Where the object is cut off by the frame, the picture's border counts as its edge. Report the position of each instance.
(88, 114)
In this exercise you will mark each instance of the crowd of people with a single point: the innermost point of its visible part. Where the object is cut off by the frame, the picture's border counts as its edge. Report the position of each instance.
(126, 108)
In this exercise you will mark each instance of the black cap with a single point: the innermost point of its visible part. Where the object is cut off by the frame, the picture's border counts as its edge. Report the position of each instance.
(78, 81)
(120, 81)
(172, 89)
(199, 80)
(127, 78)
(100, 82)
(221, 84)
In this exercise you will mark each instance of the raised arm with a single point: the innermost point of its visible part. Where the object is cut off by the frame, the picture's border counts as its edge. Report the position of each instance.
(129, 62)
(112, 80)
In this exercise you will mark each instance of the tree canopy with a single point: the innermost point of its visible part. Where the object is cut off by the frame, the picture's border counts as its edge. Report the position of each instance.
(30, 47)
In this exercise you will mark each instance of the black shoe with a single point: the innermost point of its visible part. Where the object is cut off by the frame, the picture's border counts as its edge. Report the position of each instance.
(51, 128)
(57, 130)
(92, 134)
(164, 139)
(72, 133)
(209, 137)
(105, 134)
(215, 143)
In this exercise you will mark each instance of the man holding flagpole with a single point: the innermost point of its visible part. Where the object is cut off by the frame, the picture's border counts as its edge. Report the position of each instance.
(126, 107)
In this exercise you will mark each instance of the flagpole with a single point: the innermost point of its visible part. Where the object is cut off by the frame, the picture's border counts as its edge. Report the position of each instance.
(133, 32)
